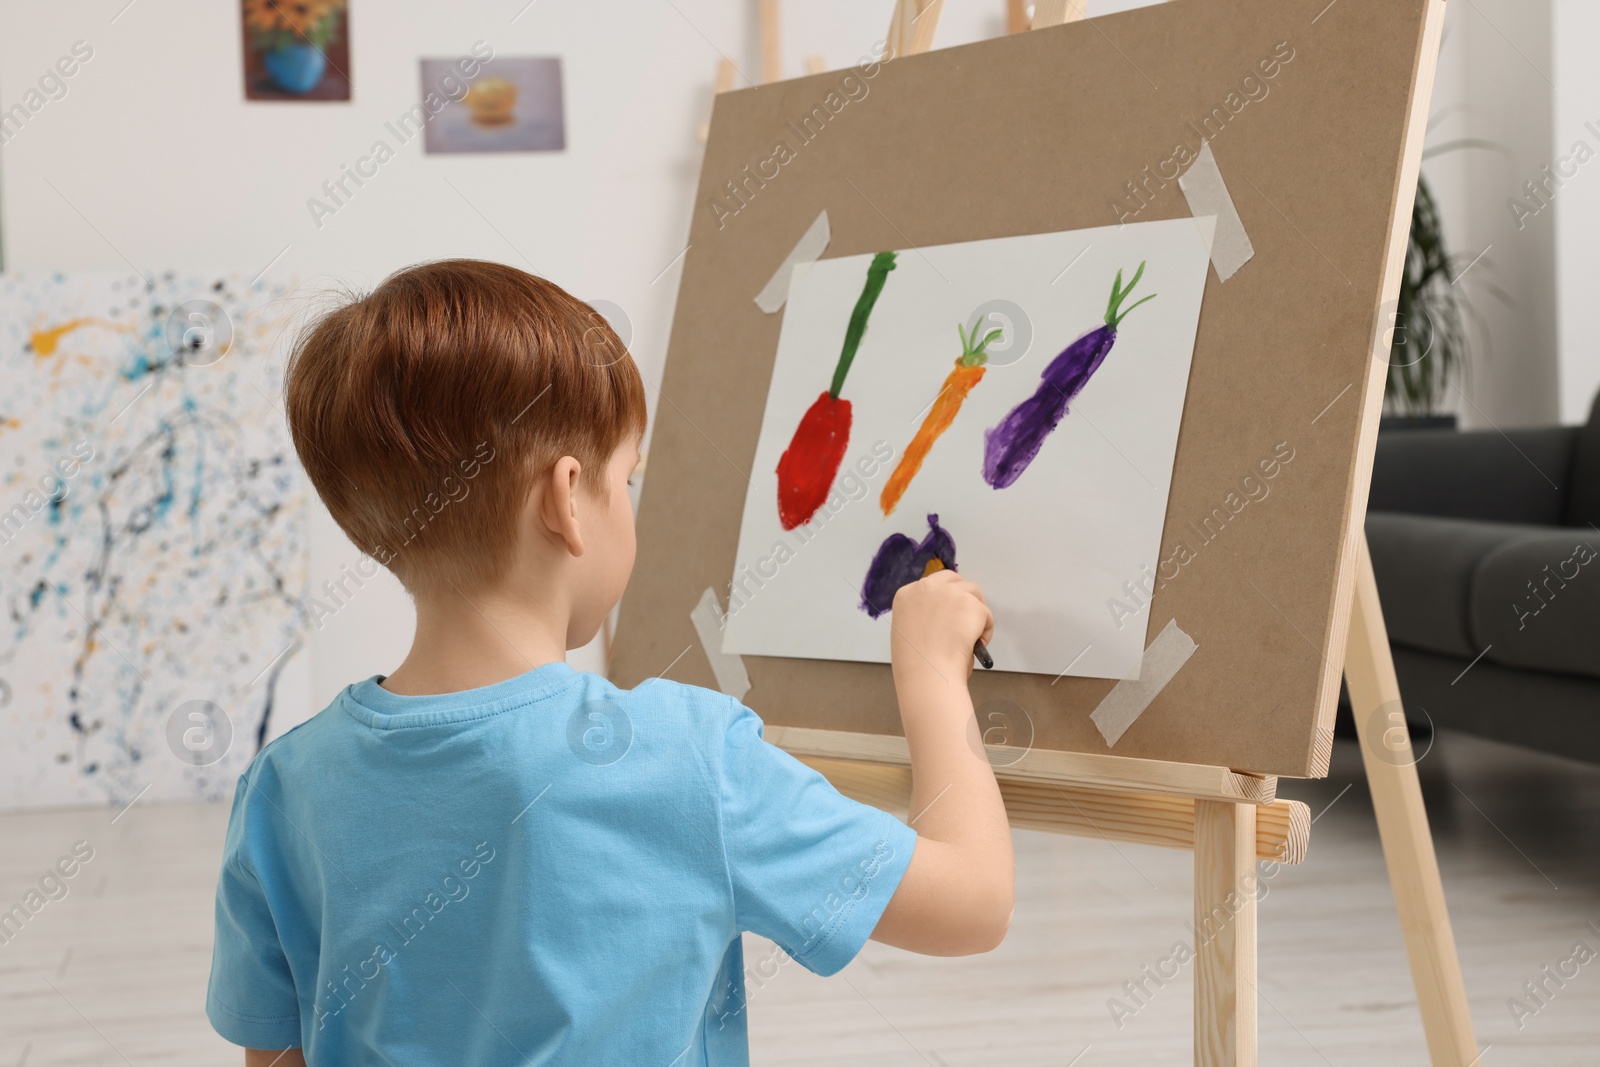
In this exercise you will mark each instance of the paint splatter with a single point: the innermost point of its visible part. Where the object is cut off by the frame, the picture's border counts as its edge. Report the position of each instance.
(808, 466)
(153, 522)
(901, 561)
(1010, 446)
(45, 342)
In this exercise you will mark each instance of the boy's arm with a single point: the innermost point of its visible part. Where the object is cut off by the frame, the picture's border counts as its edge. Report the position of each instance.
(289, 1057)
(957, 895)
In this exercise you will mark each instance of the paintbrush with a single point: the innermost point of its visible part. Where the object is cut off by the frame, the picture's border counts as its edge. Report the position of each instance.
(980, 651)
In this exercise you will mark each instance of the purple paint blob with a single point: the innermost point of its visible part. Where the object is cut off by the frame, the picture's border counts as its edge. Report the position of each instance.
(1009, 447)
(901, 561)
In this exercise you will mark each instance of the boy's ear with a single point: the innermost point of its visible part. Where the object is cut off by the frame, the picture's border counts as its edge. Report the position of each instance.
(559, 507)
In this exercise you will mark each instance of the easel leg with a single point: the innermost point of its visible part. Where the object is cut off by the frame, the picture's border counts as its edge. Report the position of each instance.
(1403, 826)
(1225, 934)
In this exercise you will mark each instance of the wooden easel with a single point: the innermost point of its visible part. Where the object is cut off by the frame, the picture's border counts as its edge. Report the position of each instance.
(771, 59)
(1228, 819)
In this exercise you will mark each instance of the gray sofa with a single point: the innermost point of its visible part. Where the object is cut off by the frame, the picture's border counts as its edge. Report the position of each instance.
(1486, 548)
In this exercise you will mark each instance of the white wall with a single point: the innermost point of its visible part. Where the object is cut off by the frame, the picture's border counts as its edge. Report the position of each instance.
(1494, 85)
(154, 156)
(1574, 214)
(157, 158)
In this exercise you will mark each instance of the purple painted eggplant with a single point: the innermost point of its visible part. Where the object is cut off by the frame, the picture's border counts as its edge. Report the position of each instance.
(1010, 446)
(901, 561)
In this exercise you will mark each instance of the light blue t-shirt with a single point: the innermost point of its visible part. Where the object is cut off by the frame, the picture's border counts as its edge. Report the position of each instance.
(549, 870)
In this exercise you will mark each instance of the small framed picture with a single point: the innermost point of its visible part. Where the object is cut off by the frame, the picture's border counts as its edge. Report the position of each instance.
(296, 50)
(501, 104)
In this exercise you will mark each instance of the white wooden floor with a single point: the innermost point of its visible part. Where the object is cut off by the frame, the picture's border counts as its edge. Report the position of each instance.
(116, 971)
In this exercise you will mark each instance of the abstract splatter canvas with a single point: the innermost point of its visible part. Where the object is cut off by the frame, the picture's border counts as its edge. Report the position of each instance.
(152, 536)
(1008, 408)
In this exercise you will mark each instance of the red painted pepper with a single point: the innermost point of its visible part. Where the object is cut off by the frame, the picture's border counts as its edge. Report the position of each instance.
(811, 462)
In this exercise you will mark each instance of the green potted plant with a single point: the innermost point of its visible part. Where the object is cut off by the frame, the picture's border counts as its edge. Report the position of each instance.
(1428, 345)
(293, 37)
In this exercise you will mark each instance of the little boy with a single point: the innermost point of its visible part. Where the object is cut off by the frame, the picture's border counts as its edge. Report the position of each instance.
(489, 858)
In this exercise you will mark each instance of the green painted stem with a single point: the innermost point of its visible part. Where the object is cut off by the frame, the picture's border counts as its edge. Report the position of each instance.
(1115, 313)
(877, 274)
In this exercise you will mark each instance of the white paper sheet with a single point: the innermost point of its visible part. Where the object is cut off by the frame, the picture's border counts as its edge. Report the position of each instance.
(1079, 528)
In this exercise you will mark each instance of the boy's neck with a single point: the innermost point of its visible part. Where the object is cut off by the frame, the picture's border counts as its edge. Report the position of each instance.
(464, 642)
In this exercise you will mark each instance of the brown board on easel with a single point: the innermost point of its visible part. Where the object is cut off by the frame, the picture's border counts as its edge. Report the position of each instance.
(1071, 128)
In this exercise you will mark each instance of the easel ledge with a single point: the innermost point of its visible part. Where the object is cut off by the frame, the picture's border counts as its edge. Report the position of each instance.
(1193, 780)
(1147, 802)
(1283, 827)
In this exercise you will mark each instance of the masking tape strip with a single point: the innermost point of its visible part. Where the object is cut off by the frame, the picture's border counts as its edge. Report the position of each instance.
(1207, 194)
(727, 666)
(1207, 227)
(1128, 698)
(808, 250)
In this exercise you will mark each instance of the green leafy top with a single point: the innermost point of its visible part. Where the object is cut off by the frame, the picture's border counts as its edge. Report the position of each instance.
(973, 352)
(1115, 313)
(877, 274)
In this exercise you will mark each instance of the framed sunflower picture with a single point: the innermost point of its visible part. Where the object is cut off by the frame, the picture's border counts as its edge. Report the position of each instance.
(296, 50)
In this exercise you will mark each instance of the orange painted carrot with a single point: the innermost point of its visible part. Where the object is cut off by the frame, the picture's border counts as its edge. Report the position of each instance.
(966, 374)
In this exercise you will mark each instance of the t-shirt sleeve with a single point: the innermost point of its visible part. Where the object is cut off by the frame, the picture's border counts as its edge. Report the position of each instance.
(810, 869)
(251, 1000)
